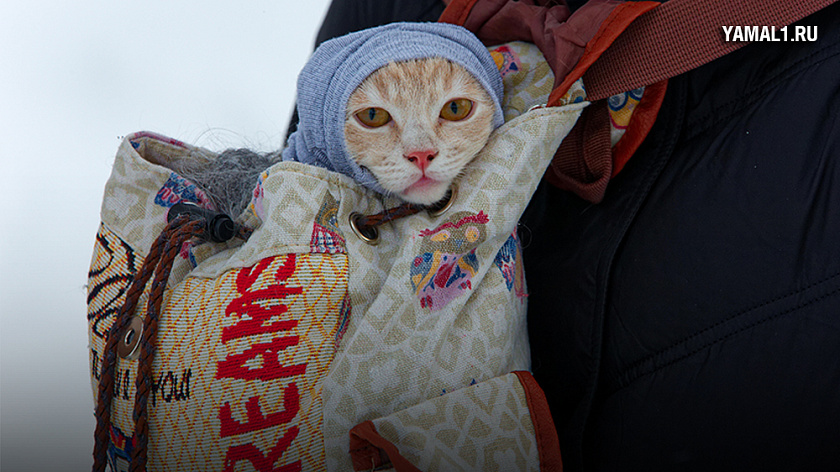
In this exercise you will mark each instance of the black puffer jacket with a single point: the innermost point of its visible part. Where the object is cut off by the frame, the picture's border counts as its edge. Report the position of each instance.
(691, 321)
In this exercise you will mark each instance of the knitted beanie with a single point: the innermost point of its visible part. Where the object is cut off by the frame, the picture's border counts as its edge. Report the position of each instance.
(340, 65)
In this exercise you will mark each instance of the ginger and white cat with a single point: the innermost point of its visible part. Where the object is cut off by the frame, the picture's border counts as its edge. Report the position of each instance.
(416, 124)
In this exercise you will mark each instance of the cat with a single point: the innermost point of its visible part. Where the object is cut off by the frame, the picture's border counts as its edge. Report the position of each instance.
(402, 109)
(416, 125)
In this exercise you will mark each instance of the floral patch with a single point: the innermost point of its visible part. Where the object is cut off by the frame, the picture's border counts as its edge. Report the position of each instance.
(119, 451)
(344, 315)
(187, 252)
(256, 204)
(177, 189)
(136, 137)
(506, 60)
(509, 261)
(447, 262)
(622, 105)
(326, 236)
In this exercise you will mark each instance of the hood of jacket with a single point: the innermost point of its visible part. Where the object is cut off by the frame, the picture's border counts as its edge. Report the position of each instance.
(340, 65)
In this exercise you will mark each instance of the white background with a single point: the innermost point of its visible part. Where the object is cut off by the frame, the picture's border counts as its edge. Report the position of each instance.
(74, 78)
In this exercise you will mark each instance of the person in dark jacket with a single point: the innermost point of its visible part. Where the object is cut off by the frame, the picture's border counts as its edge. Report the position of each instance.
(691, 319)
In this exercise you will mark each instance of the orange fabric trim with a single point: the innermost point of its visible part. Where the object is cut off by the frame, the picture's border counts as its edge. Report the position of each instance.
(683, 35)
(367, 447)
(583, 161)
(640, 124)
(618, 20)
(548, 444)
(457, 12)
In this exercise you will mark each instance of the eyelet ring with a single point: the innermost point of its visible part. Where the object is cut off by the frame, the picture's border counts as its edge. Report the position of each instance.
(443, 206)
(368, 235)
(130, 339)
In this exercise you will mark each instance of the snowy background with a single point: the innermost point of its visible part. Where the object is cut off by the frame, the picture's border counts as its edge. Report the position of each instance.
(74, 78)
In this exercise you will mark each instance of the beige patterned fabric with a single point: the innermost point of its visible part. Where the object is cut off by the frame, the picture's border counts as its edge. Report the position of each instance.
(528, 79)
(239, 365)
(271, 350)
(400, 353)
(455, 431)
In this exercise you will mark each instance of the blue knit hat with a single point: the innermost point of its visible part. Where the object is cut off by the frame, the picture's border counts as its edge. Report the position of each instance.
(339, 65)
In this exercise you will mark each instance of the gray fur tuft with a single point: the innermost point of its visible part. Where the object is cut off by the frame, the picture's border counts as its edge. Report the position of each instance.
(229, 179)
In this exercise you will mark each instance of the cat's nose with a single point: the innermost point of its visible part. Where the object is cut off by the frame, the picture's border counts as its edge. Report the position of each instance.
(421, 158)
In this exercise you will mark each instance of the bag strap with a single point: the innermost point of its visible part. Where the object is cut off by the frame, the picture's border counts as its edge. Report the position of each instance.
(681, 35)
(673, 38)
(132, 337)
(143, 336)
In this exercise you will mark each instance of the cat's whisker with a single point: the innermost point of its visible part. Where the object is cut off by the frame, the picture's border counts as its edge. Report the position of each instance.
(415, 95)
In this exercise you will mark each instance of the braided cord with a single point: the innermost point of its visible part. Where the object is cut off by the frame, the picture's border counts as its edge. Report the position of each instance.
(176, 237)
(158, 262)
(406, 209)
(105, 390)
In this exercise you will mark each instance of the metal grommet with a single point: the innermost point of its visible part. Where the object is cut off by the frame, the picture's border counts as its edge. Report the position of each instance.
(369, 235)
(443, 206)
(130, 339)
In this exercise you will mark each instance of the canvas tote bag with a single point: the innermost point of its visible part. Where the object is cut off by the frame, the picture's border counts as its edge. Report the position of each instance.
(307, 343)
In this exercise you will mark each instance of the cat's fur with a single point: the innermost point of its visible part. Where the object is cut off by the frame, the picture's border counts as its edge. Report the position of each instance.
(413, 93)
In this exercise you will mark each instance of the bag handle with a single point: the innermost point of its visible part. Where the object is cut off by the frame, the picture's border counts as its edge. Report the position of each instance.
(673, 38)
(131, 337)
(681, 35)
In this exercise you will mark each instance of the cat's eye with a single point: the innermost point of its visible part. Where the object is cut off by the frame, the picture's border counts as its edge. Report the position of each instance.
(374, 117)
(456, 110)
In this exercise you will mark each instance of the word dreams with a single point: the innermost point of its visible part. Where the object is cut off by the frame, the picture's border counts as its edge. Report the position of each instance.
(769, 33)
(254, 308)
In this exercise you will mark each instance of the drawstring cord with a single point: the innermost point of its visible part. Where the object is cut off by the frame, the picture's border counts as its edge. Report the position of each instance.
(127, 334)
(184, 224)
(365, 226)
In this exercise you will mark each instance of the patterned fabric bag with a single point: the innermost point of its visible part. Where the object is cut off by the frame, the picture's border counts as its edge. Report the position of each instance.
(306, 344)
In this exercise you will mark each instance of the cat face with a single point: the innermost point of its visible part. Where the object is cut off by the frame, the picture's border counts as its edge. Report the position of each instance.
(416, 124)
